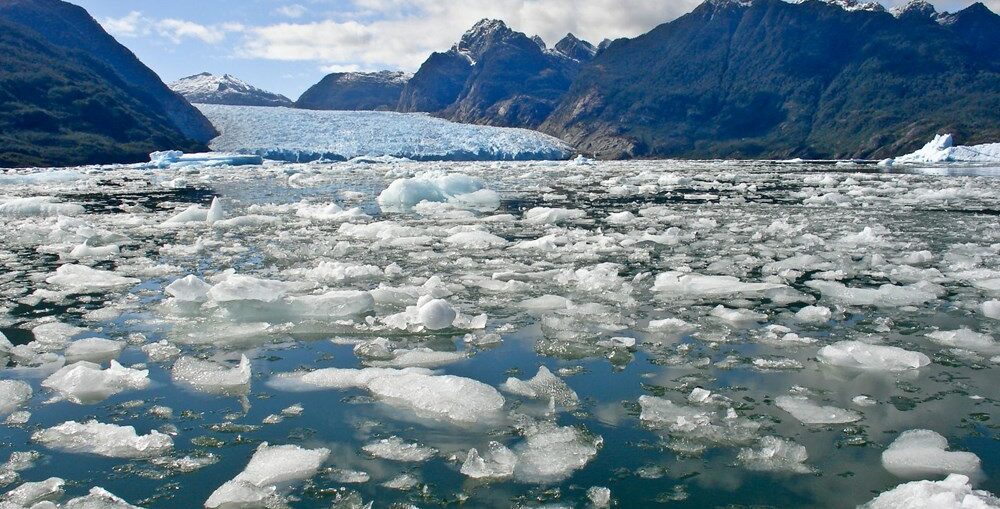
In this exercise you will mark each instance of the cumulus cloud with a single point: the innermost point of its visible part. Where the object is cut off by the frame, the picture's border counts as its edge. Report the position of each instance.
(135, 24)
(291, 11)
(401, 33)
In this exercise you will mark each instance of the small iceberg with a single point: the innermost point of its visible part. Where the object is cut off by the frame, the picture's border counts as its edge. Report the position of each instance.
(942, 149)
(178, 159)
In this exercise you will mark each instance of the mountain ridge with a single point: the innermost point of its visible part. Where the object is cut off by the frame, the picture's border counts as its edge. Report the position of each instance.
(208, 88)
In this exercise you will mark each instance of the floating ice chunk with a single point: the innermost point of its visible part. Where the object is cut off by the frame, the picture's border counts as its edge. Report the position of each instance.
(13, 394)
(421, 358)
(98, 498)
(864, 401)
(211, 377)
(551, 454)
(81, 278)
(178, 159)
(87, 252)
(886, 295)
(664, 412)
(810, 412)
(160, 351)
(339, 273)
(330, 305)
(543, 385)
(855, 354)
(93, 349)
(238, 287)
(436, 314)
(737, 316)
(922, 453)
(551, 216)
(189, 288)
(215, 211)
(776, 455)
(955, 492)
(688, 285)
(814, 314)
(496, 463)
(270, 467)
(436, 186)
(395, 449)
(991, 309)
(942, 149)
(38, 206)
(476, 239)
(671, 325)
(31, 493)
(435, 396)
(108, 440)
(85, 382)
(330, 212)
(966, 339)
(402, 482)
(546, 303)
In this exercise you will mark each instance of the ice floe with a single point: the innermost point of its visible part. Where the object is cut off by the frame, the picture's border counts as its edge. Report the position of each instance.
(855, 354)
(85, 382)
(922, 453)
(270, 466)
(102, 439)
(954, 492)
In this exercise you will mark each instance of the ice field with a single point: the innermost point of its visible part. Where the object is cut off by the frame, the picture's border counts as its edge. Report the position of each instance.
(500, 334)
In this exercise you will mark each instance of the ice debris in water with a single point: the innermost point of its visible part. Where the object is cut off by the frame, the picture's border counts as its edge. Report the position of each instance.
(954, 492)
(550, 453)
(395, 449)
(85, 382)
(776, 455)
(855, 354)
(38, 206)
(212, 377)
(83, 279)
(31, 493)
(599, 496)
(810, 412)
(543, 385)
(496, 462)
(270, 467)
(967, 339)
(108, 440)
(447, 397)
(13, 394)
(922, 453)
(455, 189)
(98, 498)
(942, 149)
(887, 295)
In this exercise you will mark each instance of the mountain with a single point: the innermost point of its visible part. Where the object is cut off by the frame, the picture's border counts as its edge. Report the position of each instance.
(766, 78)
(207, 88)
(355, 91)
(493, 75)
(576, 49)
(69, 95)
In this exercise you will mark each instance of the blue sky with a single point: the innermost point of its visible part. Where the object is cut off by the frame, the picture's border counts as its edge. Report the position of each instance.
(287, 45)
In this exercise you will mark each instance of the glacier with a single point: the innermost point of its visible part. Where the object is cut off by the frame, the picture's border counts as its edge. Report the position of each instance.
(286, 134)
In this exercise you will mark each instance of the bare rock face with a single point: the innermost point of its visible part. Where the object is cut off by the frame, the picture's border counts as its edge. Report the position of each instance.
(355, 91)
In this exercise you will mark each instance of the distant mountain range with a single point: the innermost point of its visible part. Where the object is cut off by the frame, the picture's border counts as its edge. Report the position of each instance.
(207, 88)
(731, 79)
(70, 94)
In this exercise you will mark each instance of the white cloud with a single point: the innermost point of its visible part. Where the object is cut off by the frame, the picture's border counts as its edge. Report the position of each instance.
(135, 24)
(401, 33)
(291, 11)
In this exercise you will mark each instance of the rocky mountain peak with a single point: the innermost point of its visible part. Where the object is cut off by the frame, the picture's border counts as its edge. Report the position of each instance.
(576, 48)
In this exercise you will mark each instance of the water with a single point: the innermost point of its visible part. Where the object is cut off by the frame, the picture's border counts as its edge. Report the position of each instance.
(728, 218)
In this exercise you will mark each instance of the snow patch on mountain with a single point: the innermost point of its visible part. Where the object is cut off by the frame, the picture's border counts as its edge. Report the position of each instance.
(207, 88)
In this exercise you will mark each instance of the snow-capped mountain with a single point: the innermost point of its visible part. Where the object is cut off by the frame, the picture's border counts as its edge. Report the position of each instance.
(575, 48)
(207, 88)
(355, 91)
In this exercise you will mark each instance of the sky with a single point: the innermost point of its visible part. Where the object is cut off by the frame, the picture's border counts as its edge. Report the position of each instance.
(286, 46)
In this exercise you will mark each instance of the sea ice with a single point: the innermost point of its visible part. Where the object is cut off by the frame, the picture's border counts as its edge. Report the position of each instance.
(776, 455)
(93, 349)
(922, 453)
(809, 412)
(855, 354)
(395, 449)
(552, 216)
(269, 468)
(991, 309)
(496, 462)
(178, 159)
(688, 285)
(85, 382)
(31, 493)
(98, 498)
(108, 440)
(886, 295)
(966, 339)
(544, 385)
(550, 453)
(814, 314)
(211, 377)
(436, 186)
(83, 279)
(38, 206)
(189, 288)
(955, 492)
(13, 394)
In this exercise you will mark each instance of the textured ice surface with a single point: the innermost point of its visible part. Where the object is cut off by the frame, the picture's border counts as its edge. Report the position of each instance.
(955, 492)
(38, 206)
(544, 385)
(212, 377)
(922, 453)
(942, 149)
(855, 354)
(270, 466)
(496, 461)
(306, 135)
(13, 394)
(455, 189)
(85, 382)
(102, 439)
(395, 449)
(550, 454)
(776, 455)
(810, 412)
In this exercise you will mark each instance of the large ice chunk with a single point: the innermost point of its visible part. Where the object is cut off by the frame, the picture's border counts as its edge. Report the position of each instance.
(810, 412)
(955, 492)
(395, 449)
(13, 394)
(967, 339)
(109, 440)
(543, 385)
(178, 159)
(83, 279)
(690, 285)
(942, 149)
(436, 186)
(38, 206)
(855, 354)
(211, 377)
(496, 462)
(550, 453)
(776, 455)
(85, 382)
(269, 468)
(886, 295)
(922, 453)
(98, 498)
